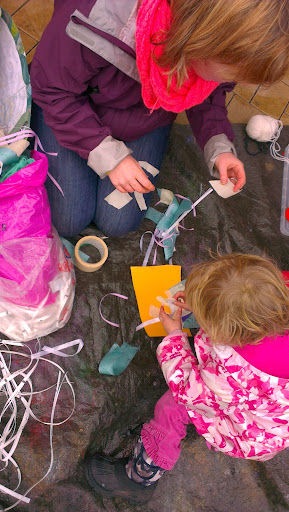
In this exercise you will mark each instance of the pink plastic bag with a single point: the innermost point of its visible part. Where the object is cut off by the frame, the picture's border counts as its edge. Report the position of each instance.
(37, 279)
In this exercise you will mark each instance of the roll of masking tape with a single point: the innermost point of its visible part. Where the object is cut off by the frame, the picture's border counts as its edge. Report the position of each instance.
(95, 242)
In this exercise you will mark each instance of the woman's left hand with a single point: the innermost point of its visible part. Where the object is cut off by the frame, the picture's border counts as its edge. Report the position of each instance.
(229, 166)
(170, 324)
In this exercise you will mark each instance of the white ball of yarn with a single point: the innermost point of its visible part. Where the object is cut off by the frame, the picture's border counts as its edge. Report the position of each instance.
(262, 128)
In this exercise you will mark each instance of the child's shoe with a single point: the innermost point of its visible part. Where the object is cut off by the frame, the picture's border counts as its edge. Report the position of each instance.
(108, 477)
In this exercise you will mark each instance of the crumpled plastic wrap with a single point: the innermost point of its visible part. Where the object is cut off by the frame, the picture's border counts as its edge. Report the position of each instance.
(36, 277)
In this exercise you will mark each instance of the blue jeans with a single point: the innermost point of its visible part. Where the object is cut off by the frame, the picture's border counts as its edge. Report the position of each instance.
(83, 189)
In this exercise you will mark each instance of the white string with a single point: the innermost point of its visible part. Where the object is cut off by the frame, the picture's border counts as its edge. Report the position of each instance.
(275, 147)
(12, 390)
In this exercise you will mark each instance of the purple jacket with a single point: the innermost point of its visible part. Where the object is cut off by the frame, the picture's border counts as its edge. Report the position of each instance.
(84, 77)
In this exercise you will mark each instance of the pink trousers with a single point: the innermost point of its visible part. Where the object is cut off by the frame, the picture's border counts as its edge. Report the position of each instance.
(162, 435)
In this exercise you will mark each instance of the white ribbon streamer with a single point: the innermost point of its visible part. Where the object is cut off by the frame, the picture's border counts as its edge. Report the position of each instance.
(58, 350)
(12, 390)
(14, 494)
(147, 322)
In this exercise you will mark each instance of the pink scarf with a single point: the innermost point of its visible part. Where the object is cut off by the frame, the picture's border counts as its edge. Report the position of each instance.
(154, 15)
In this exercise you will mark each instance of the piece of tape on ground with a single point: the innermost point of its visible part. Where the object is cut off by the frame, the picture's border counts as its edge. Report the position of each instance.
(117, 359)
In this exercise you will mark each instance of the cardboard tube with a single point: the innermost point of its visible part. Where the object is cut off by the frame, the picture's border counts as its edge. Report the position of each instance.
(95, 242)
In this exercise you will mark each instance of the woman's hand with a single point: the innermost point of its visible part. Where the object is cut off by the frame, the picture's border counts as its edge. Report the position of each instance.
(128, 176)
(170, 324)
(229, 166)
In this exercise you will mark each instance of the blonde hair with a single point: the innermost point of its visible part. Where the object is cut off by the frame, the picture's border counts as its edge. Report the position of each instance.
(250, 35)
(238, 299)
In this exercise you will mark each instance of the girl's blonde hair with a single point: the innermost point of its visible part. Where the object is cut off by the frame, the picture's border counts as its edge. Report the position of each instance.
(251, 35)
(238, 299)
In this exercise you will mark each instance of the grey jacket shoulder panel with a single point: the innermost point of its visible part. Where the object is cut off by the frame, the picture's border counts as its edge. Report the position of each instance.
(116, 18)
(109, 17)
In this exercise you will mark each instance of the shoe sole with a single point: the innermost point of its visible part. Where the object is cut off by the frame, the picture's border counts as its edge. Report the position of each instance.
(110, 494)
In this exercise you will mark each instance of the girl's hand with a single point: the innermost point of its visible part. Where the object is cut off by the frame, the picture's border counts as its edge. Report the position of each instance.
(170, 324)
(229, 166)
(181, 303)
(128, 176)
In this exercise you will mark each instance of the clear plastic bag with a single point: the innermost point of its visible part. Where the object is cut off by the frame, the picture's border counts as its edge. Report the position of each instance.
(37, 279)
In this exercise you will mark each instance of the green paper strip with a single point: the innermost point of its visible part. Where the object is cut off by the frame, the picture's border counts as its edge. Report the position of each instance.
(169, 215)
(117, 359)
(8, 156)
(191, 323)
(169, 246)
(153, 215)
(165, 220)
(9, 170)
(175, 213)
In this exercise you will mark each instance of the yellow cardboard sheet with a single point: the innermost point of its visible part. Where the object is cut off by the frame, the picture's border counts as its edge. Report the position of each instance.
(149, 283)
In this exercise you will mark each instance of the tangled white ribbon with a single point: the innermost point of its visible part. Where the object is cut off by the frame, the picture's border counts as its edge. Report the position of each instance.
(11, 386)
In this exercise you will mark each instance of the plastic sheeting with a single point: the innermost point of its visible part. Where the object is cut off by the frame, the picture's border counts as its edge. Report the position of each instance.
(110, 409)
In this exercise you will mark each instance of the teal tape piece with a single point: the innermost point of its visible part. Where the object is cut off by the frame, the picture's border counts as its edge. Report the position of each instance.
(169, 216)
(153, 215)
(117, 359)
(165, 220)
(70, 249)
(174, 211)
(191, 323)
(169, 246)
(8, 156)
(184, 206)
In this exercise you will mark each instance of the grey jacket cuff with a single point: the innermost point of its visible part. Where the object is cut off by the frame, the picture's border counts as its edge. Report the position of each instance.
(216, 145)
(107, 155)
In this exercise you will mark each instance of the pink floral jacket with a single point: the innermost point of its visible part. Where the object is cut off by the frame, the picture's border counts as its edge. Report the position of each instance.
(239, 409)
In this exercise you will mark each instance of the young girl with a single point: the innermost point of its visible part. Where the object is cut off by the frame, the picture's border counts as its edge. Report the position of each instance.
(236, 392)
(108, 78)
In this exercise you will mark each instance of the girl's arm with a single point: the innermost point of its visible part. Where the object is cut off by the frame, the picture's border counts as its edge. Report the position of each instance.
(181, 370)
(178, 363)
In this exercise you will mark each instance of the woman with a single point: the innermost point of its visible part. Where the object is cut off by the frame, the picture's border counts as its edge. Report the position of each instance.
(109, 77)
